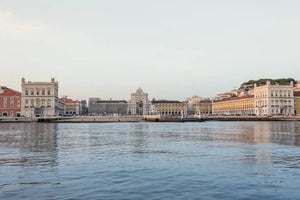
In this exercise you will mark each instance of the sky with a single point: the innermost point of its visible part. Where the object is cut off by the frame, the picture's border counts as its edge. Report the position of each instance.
(172, 49)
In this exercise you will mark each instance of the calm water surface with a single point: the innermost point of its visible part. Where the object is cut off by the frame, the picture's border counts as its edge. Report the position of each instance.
(208, 160)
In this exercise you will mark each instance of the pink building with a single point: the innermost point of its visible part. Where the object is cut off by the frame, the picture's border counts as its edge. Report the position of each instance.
(10, 102)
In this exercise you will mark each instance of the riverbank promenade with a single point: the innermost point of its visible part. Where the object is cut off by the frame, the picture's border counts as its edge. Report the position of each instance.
(138, 118)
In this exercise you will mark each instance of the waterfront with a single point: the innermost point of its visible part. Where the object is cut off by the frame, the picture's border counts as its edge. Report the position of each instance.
(207, 160)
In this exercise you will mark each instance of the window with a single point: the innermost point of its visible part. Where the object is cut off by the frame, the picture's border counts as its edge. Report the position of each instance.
(49, 93)
(26, 103)
(43, 92)
(49, 103)
(43, 103)
(11, 113)
(32, 92)
(31, 103)
(26, 92)
(11, 102)
(37, 92)
(37, 102)
(4, 102)
(19, 101)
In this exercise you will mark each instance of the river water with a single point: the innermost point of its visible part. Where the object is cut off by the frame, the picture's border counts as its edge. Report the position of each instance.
(206, 160)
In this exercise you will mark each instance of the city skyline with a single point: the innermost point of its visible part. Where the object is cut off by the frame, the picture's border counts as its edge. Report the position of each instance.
(171, 49)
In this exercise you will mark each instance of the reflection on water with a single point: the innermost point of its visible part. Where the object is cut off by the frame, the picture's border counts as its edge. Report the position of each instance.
(34, 144)
(232, 160)
(286, 133)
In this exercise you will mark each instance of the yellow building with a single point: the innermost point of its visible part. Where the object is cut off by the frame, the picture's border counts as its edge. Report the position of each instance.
(167, 107)
(297, 102)
(71, 107)
(234, 106)
(203, 107)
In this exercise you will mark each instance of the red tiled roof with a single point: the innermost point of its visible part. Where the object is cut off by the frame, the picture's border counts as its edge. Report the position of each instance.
(296, 93)
(67, 100)
(10, 92)
(236, 98)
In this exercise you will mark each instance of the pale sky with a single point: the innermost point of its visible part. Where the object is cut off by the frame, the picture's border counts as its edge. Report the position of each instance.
(173, 49)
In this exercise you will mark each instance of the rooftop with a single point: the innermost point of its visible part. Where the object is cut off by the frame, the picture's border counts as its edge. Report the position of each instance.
(4, 91)
(66, 100)
(166, 101)
(236, 98)
(297, 93)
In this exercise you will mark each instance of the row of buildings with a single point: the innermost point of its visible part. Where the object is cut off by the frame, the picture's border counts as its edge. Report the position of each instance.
(40, 99)
(265, 100)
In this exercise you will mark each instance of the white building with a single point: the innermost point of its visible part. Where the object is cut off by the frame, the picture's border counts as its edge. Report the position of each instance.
(274, 99)
(40, 99)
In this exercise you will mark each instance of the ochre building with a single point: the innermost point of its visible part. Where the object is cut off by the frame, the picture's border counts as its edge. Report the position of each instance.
(297, 102)
(167, 107)
(203, 107)
(234, 106)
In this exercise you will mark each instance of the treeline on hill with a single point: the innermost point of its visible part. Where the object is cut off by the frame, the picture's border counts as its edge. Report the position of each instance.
(282, 81)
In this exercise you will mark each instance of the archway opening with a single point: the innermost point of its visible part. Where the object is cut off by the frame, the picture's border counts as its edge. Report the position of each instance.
(139, 108)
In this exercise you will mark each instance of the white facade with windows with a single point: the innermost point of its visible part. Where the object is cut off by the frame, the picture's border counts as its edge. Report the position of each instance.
(40, 99)
(274, 99)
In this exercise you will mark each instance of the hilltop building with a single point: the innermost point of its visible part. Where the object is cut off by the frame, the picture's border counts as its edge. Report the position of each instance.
(223, 96)
(297, 86)
(40, 99)
(10, 102)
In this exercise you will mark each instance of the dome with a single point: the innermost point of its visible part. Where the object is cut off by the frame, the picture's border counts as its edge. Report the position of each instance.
(139, 90)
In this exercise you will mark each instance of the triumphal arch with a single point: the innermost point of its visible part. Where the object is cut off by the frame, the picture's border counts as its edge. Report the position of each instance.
(139, 103)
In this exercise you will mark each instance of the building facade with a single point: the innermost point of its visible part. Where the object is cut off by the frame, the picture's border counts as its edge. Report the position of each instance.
(85, 109)
(297, 102)
(274, 99)
(10, 102)
(71, 107)
(139, 103)
(203, 107)
(40, 99)
(234, 106)
(168, 107)
(107, 107)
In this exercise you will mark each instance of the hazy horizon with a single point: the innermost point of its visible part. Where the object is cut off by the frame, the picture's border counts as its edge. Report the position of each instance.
(171, 49)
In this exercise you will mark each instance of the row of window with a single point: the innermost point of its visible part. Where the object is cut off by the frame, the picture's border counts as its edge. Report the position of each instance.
(275, 93)
(5, 114)
(37, 92)
(9, 102)
(273, 102)
(37, 103)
